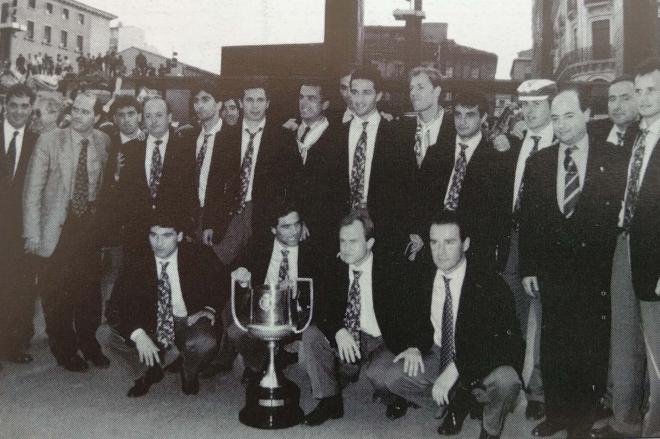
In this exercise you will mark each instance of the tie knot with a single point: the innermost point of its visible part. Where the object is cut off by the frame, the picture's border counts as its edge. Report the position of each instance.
(463, 146)
(357, 274)
(84, 143)
(158, 142)
(364, 125)
(285, 253)
(163, 267)
(206, 136)
(16, 133)
(447, 282)
(620, 135)
(251, 134)
(570, 150)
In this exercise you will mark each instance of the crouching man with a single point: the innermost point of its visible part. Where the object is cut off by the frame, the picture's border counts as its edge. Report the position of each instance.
(167, 310)
(458, 342)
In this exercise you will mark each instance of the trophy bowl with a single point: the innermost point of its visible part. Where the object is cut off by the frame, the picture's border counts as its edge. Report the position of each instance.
(270, 314)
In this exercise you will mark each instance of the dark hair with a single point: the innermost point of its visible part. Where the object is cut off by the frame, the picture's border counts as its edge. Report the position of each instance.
(433, 74)
(346, 70)
(167, 220)
(257, 82)
(154, 98)
(647, 66)
(448, 217)
(20, 91)
(622, 78)
(471, 99)
(320, 83)
(583, 97)
(283, 207)
(124, 101)
(361, 216)
(207, 86)
(369, 73)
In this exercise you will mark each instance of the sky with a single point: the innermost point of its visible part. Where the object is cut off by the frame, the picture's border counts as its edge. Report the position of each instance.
(197, 29)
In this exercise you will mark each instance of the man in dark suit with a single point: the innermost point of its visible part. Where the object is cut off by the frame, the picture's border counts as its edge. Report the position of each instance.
(535, 96)
(623, 111)
(352, 308)
(158, 175)
(635, 274)
(61, 226)
(271, 259)
(167, 309)
(456, 339)
(462, 177)
(567, 235)
(16, 267)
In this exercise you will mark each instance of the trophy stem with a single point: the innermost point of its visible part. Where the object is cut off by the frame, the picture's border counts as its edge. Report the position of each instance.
(270, 379)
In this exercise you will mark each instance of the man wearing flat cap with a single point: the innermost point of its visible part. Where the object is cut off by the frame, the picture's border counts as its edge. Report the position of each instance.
(535, 96)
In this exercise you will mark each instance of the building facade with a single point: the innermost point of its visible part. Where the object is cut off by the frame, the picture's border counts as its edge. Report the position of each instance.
(67, 28)
(521, 67)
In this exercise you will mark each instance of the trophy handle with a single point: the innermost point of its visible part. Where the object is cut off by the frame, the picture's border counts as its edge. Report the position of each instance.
(311, 303)
(233, 303)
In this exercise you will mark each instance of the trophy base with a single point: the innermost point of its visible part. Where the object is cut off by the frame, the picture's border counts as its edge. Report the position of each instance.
(272, 408)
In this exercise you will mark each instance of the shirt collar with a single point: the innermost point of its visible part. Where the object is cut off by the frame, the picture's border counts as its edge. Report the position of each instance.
(437, 120)
(372, 119)
(653, 128)
(171, 258)
(278, 246)
(544, 133)
(165, 138)
(214, 130)
(261, 125)
(582, 145)
(457, 272)
(10, 129)
(472, 142)
(318, 123)
(76, 137)
(365, 266)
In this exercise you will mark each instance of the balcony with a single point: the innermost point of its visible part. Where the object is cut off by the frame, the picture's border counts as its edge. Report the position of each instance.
(584, 61)
(596, 3)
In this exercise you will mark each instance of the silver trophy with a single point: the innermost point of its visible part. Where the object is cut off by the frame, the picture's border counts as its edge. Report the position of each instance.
(272, 313)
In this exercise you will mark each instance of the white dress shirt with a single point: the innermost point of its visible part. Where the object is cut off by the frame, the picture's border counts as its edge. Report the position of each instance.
(651, 139)
(273, 273)
(316, 130)
(353, 136)
(206, 163)
(472, 144)
(546, 134)
(9, 134)
(151, 144)
(178, 305)
(613, 137)
(430, 131)
(580, 156)
(245, 139)
(456, 278)
(368, 322)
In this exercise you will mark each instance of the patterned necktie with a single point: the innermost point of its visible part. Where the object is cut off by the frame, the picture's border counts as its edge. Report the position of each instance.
(632, 188)
(448, 343)
(246, 168)
(11, 155)
(359, 164)
(571, 183)
(457, 181)
(165, 314)
(284, 267)
(535, 148)
(200, 157)
(352, 313)
(80, 199)
(418, 145)
(156, 169)
(621, 136)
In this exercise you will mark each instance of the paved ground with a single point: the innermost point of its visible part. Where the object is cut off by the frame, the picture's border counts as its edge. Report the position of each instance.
(43, 401)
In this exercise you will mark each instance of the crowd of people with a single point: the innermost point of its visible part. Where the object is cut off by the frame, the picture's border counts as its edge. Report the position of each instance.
(453, 267)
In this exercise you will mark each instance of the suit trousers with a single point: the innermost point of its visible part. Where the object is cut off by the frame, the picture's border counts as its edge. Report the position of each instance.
(17, 296)
(325, 371)
(236, 237)
(627, 354)
(528, 311)
(195, 344)
(253, 350)
(70, 289)
(498, 392)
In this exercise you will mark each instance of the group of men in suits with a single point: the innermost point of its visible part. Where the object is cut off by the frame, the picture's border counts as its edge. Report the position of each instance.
(453, 272)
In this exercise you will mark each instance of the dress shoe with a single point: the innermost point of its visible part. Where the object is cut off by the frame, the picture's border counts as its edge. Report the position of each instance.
(73, 363)
(189, 383)
(20, 357)
(453, 422)
(249, 376)
(396, 408)
(606, 432)
(214, 369)
(327, 408)
(535, 410)
(547, 428)
(485, 435)
(98, 359)
(141, 386)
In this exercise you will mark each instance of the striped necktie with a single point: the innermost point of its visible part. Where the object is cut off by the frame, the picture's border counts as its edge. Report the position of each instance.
(571, 183)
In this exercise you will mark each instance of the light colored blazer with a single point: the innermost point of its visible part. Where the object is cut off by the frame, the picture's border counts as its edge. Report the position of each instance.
(47, 191)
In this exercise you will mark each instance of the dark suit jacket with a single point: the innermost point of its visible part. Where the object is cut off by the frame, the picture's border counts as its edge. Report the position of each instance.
(135, 295)
(487, 332)
(644, 239)
(176, 192)
(11, 193)
(599, 130)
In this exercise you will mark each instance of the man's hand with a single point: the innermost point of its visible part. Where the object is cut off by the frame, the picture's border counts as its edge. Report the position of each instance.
(305, 232)
(121, 161)
(657, 288)
(349, 351)
(518, 129)
(290, 125)
(444, 383)
(414, 246)
(242, 276)
(207, 237)
(31, 245)
(199, 314)
(531, 286)
(147, 349)
(141, 136)
(412, 361)
(501, 143)
(387, 116)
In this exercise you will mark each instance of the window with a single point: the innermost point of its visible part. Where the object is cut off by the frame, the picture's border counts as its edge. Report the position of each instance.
(79, 44)
(64, 39)
(30, 30)
(4, 13)
(65, 14)
(49, 8)
(81, 18)
(32, 4)
(47, 34)
(474, 74)
(600, 39)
